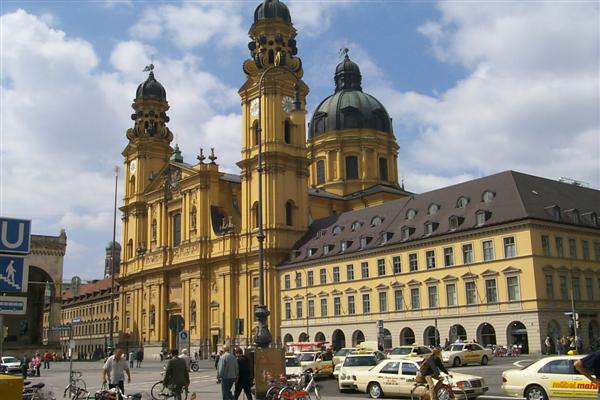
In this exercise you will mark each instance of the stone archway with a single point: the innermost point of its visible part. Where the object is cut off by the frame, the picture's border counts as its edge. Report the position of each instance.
(486, 334)
(288, 338)
(303, 337)
(516, 332)
(387, 339)
(431, 336)
(338, 339)
(407, 337)
(320, 337)
(457, 332)
(357, 337)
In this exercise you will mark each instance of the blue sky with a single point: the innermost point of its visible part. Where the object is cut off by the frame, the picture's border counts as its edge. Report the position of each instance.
(473, 87)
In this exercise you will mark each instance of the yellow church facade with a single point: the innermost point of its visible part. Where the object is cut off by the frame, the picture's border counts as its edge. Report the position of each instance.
(331, 199)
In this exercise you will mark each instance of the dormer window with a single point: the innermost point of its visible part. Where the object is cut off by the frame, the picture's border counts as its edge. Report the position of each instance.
(312, 251)
(574, 213)
(554, 211)
(432, 209)
(481, 216)
(488, 196)
(364, 241)
(430, 227)
(386, 236)
(345, 245)
(320, 233)
(462, 202)
(337, 230)
(296, 253)
(406, 232)
(376, 221)
(411, 214)
(355, 226)
(328, 248)
(454, 222)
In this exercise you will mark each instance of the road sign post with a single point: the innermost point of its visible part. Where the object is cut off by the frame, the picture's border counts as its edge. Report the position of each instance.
(183, 340)
(15, 235)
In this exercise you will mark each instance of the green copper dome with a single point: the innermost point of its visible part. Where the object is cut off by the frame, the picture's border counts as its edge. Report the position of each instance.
(272, 9)
(349, 107)
(151, 88)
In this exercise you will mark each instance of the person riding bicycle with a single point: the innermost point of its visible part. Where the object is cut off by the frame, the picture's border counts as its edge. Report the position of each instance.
(177, 376)
(430, 370)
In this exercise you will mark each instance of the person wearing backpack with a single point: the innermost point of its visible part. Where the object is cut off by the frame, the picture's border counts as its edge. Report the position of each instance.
(430, 370)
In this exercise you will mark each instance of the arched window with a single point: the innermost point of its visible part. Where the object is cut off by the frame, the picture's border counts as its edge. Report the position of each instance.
(488, 196)
(255, 214)
(383, 169)
(152, 316)
(289, 209)
(193, 215)
(287, 131)
(176, 229)
(351, 167)
(255, 133)
(320, 172)
(153, 229)
(193, 313)
(130, 248)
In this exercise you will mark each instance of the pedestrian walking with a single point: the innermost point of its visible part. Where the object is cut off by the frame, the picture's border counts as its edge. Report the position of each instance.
(24, 366)
(131, 358)
(227, 372)
(590, 365)
(185, 357)
(548, 344)
(177, 376)
(139, 358)
(115, 368)
(36, 363)
(244, 380)
(217, 357)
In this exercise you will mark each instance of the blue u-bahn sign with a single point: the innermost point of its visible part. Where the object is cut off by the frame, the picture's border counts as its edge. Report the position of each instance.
(15, 235)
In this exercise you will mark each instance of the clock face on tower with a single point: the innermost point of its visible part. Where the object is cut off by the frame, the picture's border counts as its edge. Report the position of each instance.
(132, 166)
(287, 104)
(254, 107)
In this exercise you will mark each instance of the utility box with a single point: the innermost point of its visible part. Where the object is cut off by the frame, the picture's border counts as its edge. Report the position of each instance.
(11, 387)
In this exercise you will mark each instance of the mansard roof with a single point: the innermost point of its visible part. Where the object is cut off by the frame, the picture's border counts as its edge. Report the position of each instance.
(505, 197)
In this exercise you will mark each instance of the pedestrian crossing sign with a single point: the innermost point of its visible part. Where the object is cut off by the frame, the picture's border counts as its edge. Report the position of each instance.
(13, 274)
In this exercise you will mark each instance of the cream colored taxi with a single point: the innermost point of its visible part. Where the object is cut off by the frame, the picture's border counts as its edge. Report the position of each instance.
(339, 357)
(359, 360)
(292, 366)
(314, 361)
(466, 353)
(549, 378)
(419, 353)
(397, 378)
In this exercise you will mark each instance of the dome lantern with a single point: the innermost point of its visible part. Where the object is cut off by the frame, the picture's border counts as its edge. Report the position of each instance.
(270, 9)
(151, 88)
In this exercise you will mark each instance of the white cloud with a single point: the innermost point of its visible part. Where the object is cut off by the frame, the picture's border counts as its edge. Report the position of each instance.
(192, 24)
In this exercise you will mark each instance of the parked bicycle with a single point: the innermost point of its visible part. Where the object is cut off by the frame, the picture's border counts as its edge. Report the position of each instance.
(160, 392)
(76, 388)
(36, 392)
(115, 394)
(298, 390)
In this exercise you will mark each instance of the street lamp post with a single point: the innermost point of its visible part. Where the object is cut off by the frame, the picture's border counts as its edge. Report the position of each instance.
(112, 268)
(263, 337)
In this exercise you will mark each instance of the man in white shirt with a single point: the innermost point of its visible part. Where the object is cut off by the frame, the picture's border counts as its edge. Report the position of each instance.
(114, 369)
(186, 357)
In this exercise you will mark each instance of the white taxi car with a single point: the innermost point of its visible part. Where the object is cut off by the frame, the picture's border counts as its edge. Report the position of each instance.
(361, 360)
(397, 378)
(313, 361)
(292, 366)
(549, 378)
(466, 353)
(340, 355)
(419, 352)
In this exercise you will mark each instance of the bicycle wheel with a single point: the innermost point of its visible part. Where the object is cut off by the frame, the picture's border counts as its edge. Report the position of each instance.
(317, 393)
(158, 391)
(445, 393)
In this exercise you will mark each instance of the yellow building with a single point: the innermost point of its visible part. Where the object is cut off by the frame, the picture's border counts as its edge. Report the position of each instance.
(190, 243)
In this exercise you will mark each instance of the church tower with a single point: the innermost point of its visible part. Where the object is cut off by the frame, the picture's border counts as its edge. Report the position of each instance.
(273, 80)
(146, 154)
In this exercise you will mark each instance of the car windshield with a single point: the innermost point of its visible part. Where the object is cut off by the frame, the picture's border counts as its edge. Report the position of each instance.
(9, 360)
(455, 347)
(306, 357)
(292, 362)
(360, 361)
(342, 352)
(401, 351)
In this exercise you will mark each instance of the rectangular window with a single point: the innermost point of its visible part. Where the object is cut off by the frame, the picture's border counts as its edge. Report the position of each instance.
(398, 300)
(298, 279)
(514, 294)
(350, 272)
(176, 229)
(299, 309)
(585, 249)
(430, 259)
(433, 296)
(546, 245)
(337, 306)
(366, 300)
(559, 247)
(323, 276)
(488, 250)
(572, 248)
(320, 172)
(597, 250)
(509, 247)
(287, 282)
(323, 307)
(589, 287)
(467, 250)
(383, 301)
(562, 282)
(310, 278)
(397, 265)
(471, 292)
(491, 293)
(288, 310)
(311, 308)
(448, 257)
(255, 282)
(415, 299)
(383, 169)
(451, 295)
(381, 267)
(351, 167)
(413, 263)
(549, 287)
(336, 274)
(364, 269)
(351, 305)
(576, 288)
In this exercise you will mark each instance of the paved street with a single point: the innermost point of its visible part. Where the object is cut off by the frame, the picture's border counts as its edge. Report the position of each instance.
(204, 382)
